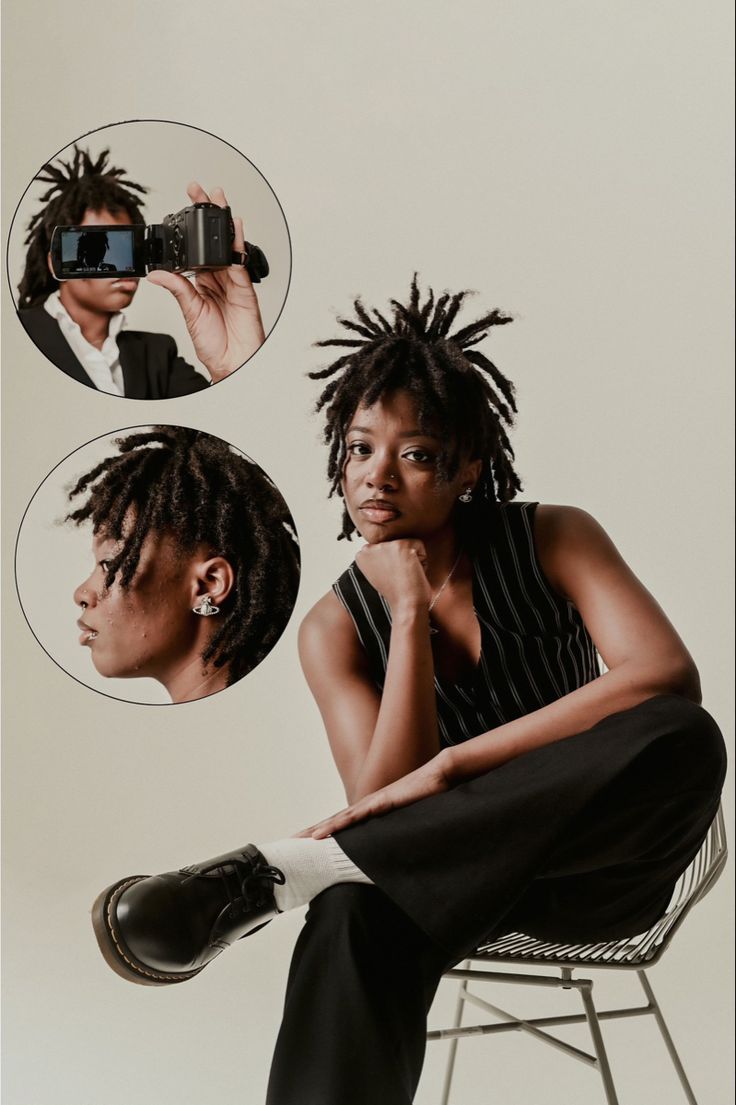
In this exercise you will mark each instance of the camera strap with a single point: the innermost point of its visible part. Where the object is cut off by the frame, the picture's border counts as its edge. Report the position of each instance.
(253, 260)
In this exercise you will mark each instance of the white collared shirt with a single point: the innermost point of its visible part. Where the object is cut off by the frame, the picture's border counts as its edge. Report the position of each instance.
(101, 365)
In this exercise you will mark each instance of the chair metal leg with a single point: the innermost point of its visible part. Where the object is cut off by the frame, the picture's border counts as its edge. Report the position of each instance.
(669, 1044)
(457, 1020)
(591, 1015)
(586, 993)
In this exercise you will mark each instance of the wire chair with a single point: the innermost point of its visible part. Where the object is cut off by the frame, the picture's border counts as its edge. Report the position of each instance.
(632, 953)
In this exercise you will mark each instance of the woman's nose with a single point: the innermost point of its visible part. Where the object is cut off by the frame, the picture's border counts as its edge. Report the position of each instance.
(382, 472)
(84, 595)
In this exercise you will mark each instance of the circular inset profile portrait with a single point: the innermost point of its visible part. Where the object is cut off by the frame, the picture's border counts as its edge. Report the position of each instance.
(148, 259)
(157, 565)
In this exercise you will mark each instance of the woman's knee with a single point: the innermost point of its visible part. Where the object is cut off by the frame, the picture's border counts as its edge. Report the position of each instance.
(354, 912)
(363, 919)
(693, 729)
(680, 713)
(347, 903)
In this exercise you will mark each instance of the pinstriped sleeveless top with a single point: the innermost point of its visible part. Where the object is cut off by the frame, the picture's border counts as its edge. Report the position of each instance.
(534, 645)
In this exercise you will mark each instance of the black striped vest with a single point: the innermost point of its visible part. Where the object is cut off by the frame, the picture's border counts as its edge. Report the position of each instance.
(534, 645)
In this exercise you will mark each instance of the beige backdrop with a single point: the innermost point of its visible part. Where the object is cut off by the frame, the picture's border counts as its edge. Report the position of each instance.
(568, 161)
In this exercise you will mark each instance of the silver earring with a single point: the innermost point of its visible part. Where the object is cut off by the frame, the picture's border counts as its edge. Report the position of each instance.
(206, 607)
(467, 495)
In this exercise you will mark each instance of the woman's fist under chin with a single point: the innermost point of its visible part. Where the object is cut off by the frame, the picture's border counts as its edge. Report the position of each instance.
(397, 570)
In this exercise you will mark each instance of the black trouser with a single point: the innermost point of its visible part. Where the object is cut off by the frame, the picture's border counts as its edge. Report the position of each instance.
(580, 840)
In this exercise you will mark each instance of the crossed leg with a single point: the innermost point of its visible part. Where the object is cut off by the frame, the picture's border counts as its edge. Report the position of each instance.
(581, 840)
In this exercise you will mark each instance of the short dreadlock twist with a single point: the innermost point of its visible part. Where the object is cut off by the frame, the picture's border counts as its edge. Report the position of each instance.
(194, 487)
(79, 185)
(455, 386)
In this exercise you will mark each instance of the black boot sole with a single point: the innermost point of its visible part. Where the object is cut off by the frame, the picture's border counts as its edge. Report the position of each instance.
(113, 948)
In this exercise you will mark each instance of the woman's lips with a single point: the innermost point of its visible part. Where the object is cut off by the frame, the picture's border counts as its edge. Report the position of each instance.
(379, 512)
(87, 634)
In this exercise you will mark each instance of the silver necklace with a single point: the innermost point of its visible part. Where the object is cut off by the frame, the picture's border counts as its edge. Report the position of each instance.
(433, 603)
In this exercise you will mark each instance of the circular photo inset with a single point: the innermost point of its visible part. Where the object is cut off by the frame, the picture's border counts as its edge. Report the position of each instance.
(149, 259)
(173, 552)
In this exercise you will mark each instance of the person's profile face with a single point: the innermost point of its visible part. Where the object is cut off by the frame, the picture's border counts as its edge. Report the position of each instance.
(106, 296)
(390, 480)
(147, 628)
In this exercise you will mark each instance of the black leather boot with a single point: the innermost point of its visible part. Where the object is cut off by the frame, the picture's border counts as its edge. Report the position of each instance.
(160, 929)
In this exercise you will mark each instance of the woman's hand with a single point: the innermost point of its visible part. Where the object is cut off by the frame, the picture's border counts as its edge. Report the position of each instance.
(430, 778)
(397, 570)
(220, 308)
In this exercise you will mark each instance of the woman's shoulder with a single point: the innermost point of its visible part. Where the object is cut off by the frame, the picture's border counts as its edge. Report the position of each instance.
(326, 619)
(327, 613)
(570, 541)
(554, 522)
(526, 536)
(550, 519)
(327, 636)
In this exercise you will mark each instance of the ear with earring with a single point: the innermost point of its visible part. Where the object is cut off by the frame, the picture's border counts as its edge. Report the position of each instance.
(466, 496)
(206, 608)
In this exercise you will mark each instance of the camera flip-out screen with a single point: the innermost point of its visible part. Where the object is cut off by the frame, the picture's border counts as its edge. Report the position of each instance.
(93, 251)
(199, 238)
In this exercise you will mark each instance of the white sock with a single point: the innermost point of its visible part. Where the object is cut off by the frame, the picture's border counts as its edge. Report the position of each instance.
(309, 867)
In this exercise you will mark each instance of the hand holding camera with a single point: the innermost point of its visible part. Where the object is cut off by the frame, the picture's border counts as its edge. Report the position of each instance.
(220, 306)
(218, 302)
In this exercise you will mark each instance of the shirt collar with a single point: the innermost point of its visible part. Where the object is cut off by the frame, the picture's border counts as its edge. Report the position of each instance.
(57, 310)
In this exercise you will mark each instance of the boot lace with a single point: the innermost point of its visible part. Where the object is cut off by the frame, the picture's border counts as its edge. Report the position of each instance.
(248, 884)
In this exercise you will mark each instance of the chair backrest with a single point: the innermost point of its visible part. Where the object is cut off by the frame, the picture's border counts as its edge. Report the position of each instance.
(692, 885)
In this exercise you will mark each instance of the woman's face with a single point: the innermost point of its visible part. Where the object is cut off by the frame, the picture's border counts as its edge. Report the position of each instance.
(99, 296)
(148, 628)
(390, 478)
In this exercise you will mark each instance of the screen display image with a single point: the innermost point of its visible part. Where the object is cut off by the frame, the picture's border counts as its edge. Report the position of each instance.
(98, 250)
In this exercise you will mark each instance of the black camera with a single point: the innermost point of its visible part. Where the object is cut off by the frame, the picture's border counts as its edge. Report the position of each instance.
(198, 238)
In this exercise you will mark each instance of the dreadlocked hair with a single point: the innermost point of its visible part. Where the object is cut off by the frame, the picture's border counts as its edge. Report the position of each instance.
(81, 184)
(458, 391)
(195, 488)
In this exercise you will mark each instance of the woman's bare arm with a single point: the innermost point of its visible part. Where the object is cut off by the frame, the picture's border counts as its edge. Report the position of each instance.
(376, 737)
(642, 650)
(640, 647)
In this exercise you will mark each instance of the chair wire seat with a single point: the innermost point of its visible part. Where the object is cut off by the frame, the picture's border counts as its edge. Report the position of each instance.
(632, 953)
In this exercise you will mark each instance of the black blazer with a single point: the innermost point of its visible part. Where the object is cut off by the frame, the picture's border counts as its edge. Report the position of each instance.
(151, 365)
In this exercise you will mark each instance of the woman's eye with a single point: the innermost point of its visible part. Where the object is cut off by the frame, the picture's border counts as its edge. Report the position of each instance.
(357, 449)
(419, 456)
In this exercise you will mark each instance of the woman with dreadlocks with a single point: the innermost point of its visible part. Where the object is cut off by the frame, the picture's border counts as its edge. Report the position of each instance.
(196, 566)
(496, 780)
(79, 324)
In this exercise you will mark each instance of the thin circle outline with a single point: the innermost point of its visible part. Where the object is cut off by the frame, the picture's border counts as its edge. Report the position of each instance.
(176, 123)
(115, 433)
